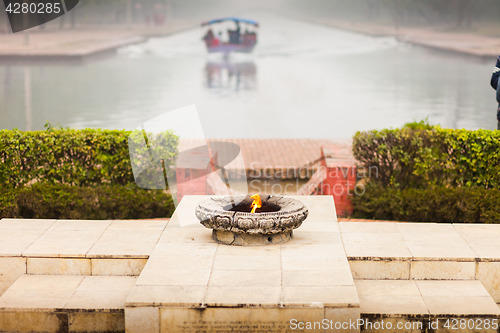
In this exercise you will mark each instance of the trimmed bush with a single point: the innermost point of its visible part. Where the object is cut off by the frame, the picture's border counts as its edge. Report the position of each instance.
(79, 174)
(60, 201)
(428, 173)
(8, 204)
(419, 156)
(73, 157)
(435, 204)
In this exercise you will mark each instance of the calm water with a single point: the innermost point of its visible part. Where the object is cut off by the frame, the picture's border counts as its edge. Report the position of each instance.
(303, 80)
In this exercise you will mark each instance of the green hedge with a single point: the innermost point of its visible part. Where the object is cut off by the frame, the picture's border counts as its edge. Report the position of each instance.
(427, 173)
(73, 157)
(79, 174)
(437, 204)
(419, 156)
(60, 201)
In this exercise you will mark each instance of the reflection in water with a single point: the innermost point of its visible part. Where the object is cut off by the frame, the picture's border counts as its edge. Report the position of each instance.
(315, 81)
(27, 98)
(231, 75)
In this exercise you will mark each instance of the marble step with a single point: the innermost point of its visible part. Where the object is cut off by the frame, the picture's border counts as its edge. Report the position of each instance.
(65, 303)
(426, 305)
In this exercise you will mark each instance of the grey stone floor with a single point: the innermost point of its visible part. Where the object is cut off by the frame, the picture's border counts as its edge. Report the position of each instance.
(169, 275)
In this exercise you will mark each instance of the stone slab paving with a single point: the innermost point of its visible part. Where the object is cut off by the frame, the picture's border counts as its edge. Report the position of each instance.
(423, 251)
(388, 305)
(66, 247)
(65, 303)
(79, 43)
(451, 41)
(63, 45)
(425, 297)
(183, 278)
(282, 158)
(191, 282)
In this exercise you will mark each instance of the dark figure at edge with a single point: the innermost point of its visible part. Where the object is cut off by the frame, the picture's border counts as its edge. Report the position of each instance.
(496, 86)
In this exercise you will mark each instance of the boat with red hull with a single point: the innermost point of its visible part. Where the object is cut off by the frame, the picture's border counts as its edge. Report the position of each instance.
(236, 41)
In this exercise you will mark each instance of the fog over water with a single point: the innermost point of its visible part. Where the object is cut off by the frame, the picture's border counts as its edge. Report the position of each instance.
(304, 80)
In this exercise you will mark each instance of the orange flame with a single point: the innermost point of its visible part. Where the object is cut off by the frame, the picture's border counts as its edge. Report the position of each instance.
(257, 203)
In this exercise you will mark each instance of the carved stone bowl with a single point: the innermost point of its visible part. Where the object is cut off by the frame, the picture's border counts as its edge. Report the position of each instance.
(234, 224)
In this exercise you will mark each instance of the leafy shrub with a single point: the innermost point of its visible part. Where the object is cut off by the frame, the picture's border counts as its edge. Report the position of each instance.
(434, 204)
(60, 201)
(420, 155)
(152, 155)
(78, 174)
(8, 204)
(428, 173)
(73, 157)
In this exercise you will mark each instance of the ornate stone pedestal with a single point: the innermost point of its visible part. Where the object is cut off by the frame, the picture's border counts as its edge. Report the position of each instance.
(234, 224)
(234, 238)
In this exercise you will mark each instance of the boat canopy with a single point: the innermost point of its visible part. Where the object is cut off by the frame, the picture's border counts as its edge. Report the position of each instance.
(234, 19)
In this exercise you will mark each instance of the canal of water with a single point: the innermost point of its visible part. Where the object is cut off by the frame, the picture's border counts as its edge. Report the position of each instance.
(303, 81)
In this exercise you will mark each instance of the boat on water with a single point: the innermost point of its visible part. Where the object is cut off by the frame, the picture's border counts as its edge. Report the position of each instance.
(242, 39)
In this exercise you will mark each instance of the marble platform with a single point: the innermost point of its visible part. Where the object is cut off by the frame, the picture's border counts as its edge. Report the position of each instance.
(170, 276)
(192, 283)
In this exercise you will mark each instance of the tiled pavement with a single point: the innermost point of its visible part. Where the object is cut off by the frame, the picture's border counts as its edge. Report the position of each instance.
(76, 44)
(295, 156)
(462, 42)
(401, 271)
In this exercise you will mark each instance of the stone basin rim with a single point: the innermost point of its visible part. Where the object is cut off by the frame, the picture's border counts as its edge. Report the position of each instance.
(213, 214)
